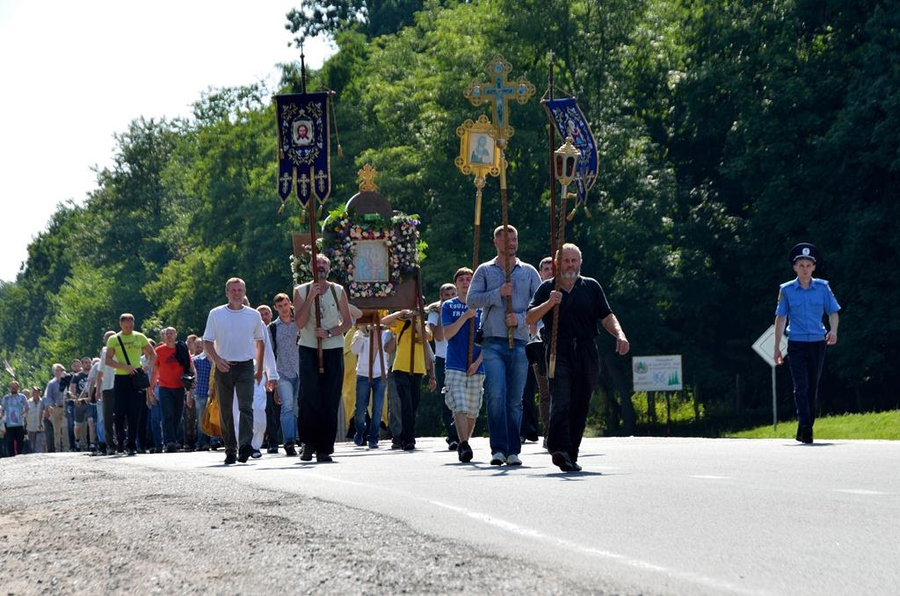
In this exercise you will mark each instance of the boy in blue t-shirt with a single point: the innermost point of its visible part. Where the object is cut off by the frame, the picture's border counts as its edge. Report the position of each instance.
(464, 381)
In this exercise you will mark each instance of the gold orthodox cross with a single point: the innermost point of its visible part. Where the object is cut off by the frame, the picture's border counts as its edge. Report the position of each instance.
(498, 91)
(367, 174)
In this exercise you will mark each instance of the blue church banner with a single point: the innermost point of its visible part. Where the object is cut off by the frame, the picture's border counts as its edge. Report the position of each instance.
(304, 156)
(570, 122)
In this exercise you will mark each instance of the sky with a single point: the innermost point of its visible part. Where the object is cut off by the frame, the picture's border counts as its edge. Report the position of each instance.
(72, 74)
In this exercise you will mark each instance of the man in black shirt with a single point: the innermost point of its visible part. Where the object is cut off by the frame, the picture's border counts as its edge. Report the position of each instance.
(582, 304)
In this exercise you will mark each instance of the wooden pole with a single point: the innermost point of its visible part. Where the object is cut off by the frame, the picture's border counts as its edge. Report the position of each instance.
(551, 90)
(380, 349)
(420, 306)
(315, 272)
(312, 232)
(475, 262)
(372, 349)
(551, 369)
(510, 332)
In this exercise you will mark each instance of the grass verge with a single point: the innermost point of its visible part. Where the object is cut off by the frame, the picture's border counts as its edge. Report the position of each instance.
(874, 425)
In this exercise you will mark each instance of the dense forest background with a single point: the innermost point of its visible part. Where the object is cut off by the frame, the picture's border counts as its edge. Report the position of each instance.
(729, 131)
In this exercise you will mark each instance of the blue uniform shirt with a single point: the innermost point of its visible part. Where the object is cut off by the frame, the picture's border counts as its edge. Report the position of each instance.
(805, 308)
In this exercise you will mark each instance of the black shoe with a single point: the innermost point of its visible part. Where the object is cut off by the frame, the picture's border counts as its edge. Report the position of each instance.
(807, 436)
(409, 447)
(323, 457)
(203, 448)
(396, 446)
(289, 450)
(465, 452)
(171, 448)
(273, 449)
(307, 454)
(230, 458)
(563, 461)
(576, 467)
(453, 445)
(799, 436)
(131, 453)
(244, 453)
(256, 454)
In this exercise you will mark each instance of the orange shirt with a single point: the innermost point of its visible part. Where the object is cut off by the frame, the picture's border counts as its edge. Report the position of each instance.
(168, 369)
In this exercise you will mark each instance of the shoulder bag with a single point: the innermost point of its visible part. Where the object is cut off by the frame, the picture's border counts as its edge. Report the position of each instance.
(139, 379)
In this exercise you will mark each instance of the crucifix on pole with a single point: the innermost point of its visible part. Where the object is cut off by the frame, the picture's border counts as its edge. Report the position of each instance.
(498, 91)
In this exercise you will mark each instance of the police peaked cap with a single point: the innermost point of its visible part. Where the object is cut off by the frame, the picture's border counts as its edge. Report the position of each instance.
(804, 250)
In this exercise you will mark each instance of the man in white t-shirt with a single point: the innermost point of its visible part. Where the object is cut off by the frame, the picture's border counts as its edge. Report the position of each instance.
(233, 340)
(102, 378)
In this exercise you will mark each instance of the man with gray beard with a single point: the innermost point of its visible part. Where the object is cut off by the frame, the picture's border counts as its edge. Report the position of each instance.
(582, 304)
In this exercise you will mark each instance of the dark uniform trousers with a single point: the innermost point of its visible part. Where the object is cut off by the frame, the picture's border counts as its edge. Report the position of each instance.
(577, 373)
(806, 359)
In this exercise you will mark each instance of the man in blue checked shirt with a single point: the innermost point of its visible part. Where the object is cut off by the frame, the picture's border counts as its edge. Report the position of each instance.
(203, 366)
(803, 302)
(505, 368)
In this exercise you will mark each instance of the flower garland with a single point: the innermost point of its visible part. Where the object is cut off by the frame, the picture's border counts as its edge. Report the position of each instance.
(400, 234)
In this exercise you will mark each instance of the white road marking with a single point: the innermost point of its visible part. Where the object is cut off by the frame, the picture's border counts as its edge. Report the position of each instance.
(710, 477)
(697, 578)
(690, 576)
(858, 491)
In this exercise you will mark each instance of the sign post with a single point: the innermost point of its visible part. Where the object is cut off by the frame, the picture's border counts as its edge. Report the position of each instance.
(765, 347)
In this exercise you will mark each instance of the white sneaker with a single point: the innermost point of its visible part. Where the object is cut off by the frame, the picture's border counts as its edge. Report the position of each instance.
(513, 460)
(498, 459)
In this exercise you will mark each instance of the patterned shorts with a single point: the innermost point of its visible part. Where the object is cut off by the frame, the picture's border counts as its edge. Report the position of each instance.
(463, 393)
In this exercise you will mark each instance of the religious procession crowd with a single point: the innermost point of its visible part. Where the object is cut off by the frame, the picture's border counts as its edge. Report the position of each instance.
(259, 379)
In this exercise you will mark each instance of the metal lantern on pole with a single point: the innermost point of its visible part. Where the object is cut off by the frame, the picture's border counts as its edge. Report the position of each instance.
(565, 163)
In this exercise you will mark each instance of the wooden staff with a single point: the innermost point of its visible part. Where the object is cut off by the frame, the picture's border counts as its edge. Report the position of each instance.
(375, 347)
(312, 230)
(551, 370)
(510, 332)
(420, 306)
(476, 243)
(551, 90)
(372, 348)
(315, 272)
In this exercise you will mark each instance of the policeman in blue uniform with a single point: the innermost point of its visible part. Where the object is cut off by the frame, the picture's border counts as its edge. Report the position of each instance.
(801, 305)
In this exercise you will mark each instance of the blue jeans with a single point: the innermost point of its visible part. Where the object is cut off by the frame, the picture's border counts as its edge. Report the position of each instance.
(171, 401)
(101, 423)
(288, 390)
(363, 387)
(156, 422)
(504, 381)
(200, 405)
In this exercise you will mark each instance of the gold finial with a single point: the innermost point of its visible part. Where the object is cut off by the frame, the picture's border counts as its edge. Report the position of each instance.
(368, 174)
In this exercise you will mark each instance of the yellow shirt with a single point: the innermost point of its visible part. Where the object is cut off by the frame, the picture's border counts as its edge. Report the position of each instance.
(404, 347)
(134, 344)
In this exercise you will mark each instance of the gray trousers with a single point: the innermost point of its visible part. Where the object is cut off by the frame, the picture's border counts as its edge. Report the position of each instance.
(238, 380)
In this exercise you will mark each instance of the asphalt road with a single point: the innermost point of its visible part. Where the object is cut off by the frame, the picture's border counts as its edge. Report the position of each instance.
(647, 515)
